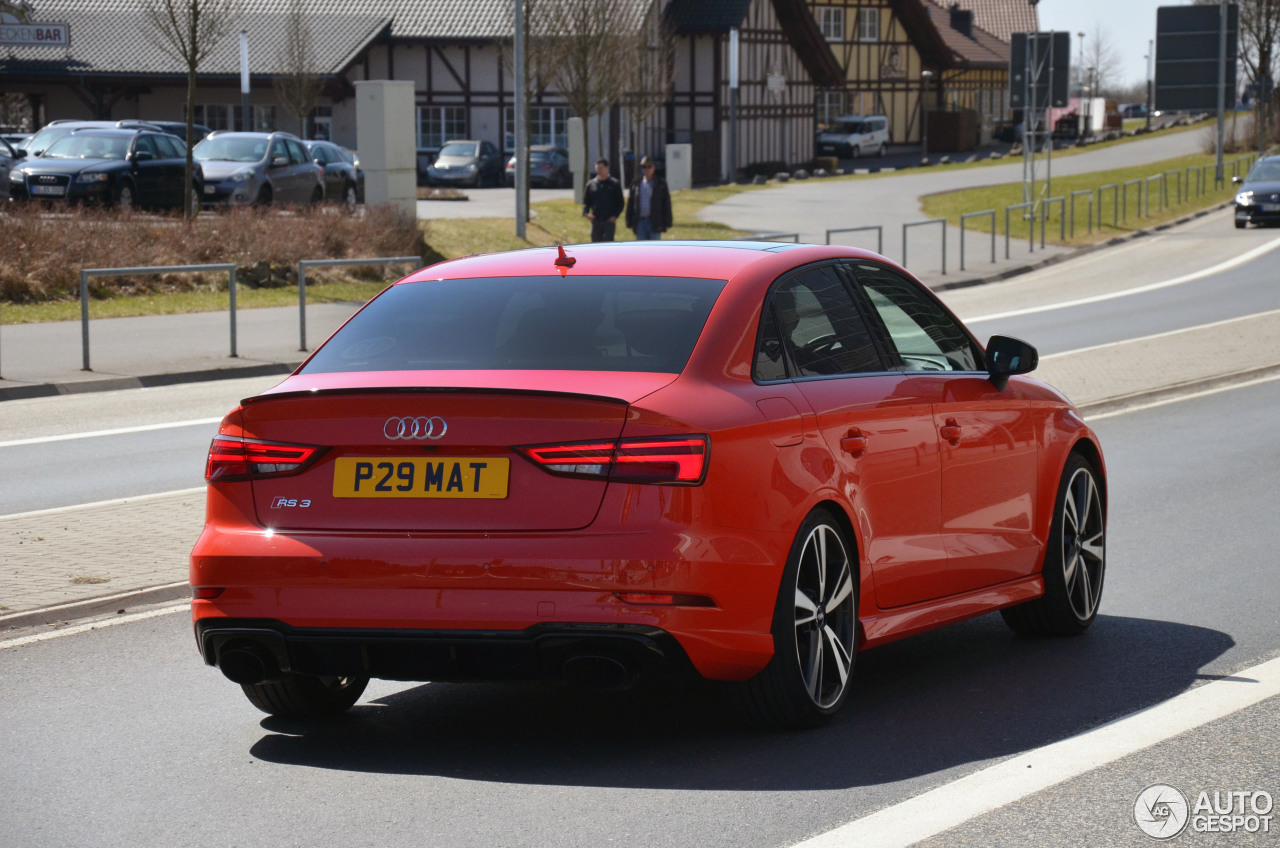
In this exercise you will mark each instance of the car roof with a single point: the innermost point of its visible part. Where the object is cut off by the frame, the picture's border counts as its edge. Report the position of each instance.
(717, 260)
(114, 131)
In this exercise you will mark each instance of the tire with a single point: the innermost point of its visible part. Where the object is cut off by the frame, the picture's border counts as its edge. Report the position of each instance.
(815, 632)
(124, 197)
(1240, 225)
(1074, 560)
(349, 199)
(883, 151)
(305, 696)
(317, 197)
(855, 152)
(264, 196)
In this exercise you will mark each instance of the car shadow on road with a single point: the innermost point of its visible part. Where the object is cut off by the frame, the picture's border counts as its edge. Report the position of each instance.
(960, 695)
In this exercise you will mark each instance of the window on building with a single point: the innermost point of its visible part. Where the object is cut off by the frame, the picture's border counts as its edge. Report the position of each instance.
(830, 106)
(546, 126)
(869, 24)
(438, 124)
(223, 116)
(322, 123)
(831, 22)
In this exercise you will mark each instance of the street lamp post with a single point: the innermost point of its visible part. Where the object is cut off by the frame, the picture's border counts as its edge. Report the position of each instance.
(1084, 85)
(925, 77)
(1151, 52)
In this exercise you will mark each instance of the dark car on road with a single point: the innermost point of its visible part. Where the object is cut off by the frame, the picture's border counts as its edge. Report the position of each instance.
(341, 179)
(124, 167)
(262, 168)
(548, 167)
(1258, 200)
(472, 163)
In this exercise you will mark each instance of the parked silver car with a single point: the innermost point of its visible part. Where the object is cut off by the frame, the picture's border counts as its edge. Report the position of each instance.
(258, 168)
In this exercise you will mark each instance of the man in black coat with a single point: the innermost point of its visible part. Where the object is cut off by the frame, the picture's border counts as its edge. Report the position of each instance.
(649, 203)
(602, 203)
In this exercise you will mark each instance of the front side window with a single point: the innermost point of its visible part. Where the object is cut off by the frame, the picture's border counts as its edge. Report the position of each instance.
(297, 153)
(923, 333)
(820, 327)
(525, 323)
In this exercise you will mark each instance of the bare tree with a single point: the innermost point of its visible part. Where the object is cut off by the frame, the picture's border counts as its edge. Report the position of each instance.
(588, 54)
(1259, 45)
(188, 31)
(653, 72)
(1101, 55)
(16, 113)
(298, 87)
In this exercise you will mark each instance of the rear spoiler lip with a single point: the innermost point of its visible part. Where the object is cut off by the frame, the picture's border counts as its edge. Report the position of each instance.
(364, 390)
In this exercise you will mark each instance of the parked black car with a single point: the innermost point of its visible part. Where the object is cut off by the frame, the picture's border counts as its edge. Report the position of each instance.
(1258, 198)
(125, 167)
(341, 180)
(263, 168)
(353, 158)
(548, 166)
(466, 162)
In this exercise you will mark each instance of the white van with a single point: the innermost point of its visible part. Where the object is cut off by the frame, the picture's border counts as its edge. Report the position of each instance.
(854, 136)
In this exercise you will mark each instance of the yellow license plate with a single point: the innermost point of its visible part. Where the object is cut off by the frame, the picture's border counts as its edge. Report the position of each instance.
(418, 477)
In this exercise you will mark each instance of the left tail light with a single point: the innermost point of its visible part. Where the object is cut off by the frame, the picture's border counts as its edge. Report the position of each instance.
(672, 461)
(235, 458)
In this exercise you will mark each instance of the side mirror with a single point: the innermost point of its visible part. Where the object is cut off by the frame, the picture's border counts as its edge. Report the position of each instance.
(279, 161)
(1007, 356)
(1237, 180)
(19, 153)
(318, 161)
(142, 156)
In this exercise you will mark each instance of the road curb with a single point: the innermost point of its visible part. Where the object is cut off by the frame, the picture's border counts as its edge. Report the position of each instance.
(107, 384)
(1048, 261)
(118, 603)
(1176, 390)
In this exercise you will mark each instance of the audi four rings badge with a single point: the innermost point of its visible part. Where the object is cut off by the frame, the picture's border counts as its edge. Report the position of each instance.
(415, 428)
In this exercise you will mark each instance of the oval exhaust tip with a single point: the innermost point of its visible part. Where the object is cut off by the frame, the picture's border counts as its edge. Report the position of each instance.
(599, 672)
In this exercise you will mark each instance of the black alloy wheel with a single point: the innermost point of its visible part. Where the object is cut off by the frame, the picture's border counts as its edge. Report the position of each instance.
(1074, 561)
(815, 631)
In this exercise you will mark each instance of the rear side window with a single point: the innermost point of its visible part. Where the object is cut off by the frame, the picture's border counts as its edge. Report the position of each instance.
(525, 323)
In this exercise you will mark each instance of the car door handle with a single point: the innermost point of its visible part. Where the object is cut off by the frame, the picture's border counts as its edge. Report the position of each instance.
(854, 442)
(950, 431)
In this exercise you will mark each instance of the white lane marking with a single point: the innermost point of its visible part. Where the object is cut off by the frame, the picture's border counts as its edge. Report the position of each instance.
(95, 625)
(1164, 284)
(952, 804)
(142, 428)
(113, 502)
(1180, 398)
(1165, 334)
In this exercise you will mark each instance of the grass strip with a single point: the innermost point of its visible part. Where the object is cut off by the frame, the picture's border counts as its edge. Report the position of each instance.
(1138, 207)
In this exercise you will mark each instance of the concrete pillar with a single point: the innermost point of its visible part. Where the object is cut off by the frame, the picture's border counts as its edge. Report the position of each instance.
(387, 143)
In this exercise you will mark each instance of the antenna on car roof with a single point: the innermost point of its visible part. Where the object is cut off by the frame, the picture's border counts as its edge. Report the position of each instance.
(564, 260)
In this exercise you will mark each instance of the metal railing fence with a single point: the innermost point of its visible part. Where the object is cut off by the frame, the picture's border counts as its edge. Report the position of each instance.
(983, 213)
(86, 273)
(910, 224)
(877, 227)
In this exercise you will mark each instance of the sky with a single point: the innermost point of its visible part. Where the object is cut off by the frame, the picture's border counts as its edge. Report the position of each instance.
(1130, 24)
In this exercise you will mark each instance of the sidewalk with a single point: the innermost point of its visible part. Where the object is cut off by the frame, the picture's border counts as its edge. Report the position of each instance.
(37, 360)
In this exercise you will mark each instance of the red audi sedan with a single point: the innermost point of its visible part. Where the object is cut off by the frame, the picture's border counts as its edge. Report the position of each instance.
(745, 461)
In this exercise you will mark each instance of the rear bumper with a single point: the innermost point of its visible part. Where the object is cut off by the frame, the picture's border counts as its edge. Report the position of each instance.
(442, 589)
(610, 656)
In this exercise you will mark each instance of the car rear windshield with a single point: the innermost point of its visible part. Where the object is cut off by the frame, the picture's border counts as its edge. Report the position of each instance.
(525, 323)
(230, 150)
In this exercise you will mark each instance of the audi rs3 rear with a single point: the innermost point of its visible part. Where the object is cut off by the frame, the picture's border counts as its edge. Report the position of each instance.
(619, 460)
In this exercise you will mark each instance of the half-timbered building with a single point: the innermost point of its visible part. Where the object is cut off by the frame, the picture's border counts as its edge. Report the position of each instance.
(455, 53)
(902, 57)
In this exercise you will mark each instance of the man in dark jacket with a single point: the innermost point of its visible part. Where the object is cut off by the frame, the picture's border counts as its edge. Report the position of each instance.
(649, 203)
(602, 203)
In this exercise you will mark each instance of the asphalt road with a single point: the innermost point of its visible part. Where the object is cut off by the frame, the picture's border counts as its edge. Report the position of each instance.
(120, 736)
